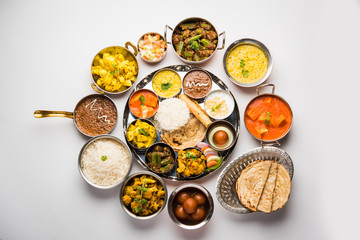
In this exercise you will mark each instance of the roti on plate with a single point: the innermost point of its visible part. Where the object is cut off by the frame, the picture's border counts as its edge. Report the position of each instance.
(250, 184)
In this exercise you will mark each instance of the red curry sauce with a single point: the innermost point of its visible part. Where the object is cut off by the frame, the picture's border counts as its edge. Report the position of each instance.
(144, 103)
(268, 117)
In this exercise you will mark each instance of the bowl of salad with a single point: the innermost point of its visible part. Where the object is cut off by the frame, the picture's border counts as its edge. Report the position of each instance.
(152, 47)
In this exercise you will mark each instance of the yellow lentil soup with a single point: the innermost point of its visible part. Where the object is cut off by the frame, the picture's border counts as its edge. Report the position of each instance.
(166, 83)
(247, 63)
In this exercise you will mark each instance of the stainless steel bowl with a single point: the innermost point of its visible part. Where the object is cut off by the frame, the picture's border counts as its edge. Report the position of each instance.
(254, 43)
(173, 154)
(95, 139)
(225, 186)
(171, 205)
(191, 19)
(132, 145)
(270, 95)
(115, 49)
(225, 124)
(139, 50)
(125, 184)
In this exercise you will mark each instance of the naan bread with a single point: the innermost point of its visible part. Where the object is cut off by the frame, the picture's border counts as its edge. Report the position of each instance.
(250, 184)
(266, 198)
(187, 136)
(282, 189)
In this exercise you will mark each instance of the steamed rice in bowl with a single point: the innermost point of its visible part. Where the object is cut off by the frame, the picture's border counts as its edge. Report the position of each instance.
(105, 161)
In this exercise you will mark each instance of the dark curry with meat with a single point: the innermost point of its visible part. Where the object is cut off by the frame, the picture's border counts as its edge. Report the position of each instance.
(195, 40)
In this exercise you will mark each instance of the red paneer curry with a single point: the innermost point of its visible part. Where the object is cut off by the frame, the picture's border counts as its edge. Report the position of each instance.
(144, 103)
(268, 117)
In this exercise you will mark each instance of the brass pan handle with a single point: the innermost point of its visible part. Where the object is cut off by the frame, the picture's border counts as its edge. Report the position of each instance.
(127, 44)
(46, 113)
(223, 42)
(165, 33)
(96, 89)
(265, 85)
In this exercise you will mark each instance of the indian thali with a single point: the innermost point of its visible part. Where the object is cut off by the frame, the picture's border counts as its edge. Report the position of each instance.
(145, 83)
(182, 123)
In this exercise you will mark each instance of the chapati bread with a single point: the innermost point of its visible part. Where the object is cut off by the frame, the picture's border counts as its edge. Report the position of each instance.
(187, 136)
(263, 186)
(266, 198)
(250, 184)
(282, 189)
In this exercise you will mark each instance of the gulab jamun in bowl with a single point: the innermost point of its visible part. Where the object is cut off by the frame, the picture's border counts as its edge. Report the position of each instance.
(190, 206)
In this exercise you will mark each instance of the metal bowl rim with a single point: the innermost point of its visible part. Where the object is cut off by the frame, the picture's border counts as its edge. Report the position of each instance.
(272, 95)
(162, 57)
(179, 189)
(104, 136)
(201, 61)
(262, 47)
(134, 175)
(116, 93)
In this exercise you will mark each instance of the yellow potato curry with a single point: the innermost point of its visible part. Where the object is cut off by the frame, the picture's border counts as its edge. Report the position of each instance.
(114, 70)
(141, 134)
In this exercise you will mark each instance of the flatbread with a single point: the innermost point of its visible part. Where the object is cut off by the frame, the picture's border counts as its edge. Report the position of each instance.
(250, 184)
(186, 136)
(197, 110)
(282, 189)
(266, 198)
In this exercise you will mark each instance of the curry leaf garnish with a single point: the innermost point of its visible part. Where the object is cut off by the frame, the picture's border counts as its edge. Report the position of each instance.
(166, 86)
(103, 158)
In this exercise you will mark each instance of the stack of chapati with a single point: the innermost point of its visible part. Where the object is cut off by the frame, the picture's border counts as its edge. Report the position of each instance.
(264, 186)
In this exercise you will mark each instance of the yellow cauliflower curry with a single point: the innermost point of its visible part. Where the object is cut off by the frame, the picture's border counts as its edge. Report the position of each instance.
(191, 162)
(144, 195)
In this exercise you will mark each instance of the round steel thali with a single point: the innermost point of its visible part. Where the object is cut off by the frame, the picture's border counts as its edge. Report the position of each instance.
(145, 83)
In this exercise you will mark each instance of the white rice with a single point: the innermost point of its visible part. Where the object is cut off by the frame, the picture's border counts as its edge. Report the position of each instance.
(110, 171)
(172, 114)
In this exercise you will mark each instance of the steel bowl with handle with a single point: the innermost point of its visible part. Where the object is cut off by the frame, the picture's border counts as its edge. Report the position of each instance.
(189, 20)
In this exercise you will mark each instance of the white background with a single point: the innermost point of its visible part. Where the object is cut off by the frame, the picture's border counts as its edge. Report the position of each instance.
(46, 49)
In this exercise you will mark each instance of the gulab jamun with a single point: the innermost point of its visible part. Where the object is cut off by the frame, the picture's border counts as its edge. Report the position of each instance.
(182, 196)
(190, 205)
(180, 213)
(199, 214)
(200, 198)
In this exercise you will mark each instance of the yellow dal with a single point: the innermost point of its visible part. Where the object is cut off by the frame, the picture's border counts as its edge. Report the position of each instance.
(164, 77)
(255, 60)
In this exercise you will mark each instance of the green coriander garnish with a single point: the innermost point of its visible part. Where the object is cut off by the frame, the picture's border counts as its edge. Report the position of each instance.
(143, 132)
(216, 108)
(103, 158)
(141, 201)
(268, 113)
(267, 121)
(242, 63)
(142, 100)
(166, 86)
(245, 73)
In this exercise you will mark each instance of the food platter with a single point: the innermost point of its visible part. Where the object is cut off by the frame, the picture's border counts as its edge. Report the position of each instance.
(218, 84)
(225, 187)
